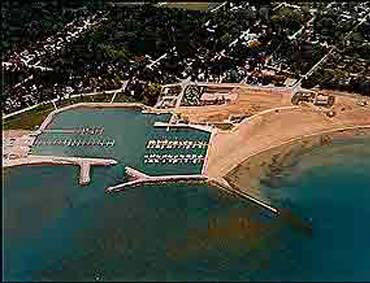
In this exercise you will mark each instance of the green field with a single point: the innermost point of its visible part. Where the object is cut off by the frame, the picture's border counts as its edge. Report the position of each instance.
(29, 120)
(198, 6)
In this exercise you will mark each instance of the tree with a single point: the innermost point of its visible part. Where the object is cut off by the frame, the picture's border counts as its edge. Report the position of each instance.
(151, 93)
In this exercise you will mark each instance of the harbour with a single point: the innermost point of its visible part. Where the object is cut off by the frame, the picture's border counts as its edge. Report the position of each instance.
(178, 152)
(169, 194)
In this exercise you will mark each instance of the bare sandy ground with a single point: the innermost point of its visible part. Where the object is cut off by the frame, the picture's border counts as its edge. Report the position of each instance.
(249, 101)
(15, 133)
(16, 143)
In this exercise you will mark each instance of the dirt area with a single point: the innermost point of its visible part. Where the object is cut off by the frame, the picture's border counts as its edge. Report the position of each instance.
(249, 101)
(16, 144)
(188, 5)
(14, 133)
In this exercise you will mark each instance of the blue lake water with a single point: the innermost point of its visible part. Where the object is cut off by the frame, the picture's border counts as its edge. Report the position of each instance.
(131, 131)
(56, 230)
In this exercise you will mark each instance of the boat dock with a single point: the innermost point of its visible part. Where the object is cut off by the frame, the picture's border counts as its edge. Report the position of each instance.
(92, 131)
(176, 144)
(74, 142)
(173, 159)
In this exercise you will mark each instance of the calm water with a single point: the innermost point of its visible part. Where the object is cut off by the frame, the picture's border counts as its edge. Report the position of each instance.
(131, 131)
(56, 230)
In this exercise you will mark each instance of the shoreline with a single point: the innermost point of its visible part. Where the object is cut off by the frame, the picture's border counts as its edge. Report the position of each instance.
(252, 152)
(265, 167)
(52, 115)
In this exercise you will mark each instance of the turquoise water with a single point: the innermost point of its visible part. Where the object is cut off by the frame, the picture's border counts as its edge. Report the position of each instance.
(56, 230)
(131, 131)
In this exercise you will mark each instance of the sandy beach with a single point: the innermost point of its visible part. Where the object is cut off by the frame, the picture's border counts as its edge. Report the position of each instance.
(266, 167)
(274, 128)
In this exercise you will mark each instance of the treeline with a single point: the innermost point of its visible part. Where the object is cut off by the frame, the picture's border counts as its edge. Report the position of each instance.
(26, 22)
(333, 79)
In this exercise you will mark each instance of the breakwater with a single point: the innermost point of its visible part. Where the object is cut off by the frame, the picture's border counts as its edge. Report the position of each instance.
(143, 179)
(84, 163)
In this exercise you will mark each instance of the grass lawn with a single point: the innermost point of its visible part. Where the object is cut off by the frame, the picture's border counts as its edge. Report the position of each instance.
(224, 126)
(121, 97)
(29, 120)
(198, 6)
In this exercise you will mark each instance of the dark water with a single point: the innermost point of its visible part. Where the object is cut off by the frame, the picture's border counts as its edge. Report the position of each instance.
(56, 230)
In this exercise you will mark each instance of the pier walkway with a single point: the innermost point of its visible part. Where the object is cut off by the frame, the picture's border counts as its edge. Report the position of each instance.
(84, 163)
(79, 131)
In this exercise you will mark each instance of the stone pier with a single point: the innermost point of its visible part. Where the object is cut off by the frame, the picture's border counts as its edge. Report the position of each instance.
(84, 163)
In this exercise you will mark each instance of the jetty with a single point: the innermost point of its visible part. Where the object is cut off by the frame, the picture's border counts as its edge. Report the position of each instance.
(84, 163)
(227, 187)
(138, 178)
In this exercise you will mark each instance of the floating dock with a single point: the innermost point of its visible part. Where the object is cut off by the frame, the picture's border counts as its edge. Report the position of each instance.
(173, 159)
(75, 142)
(176, 144)
(93, 131)
(183, 125)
